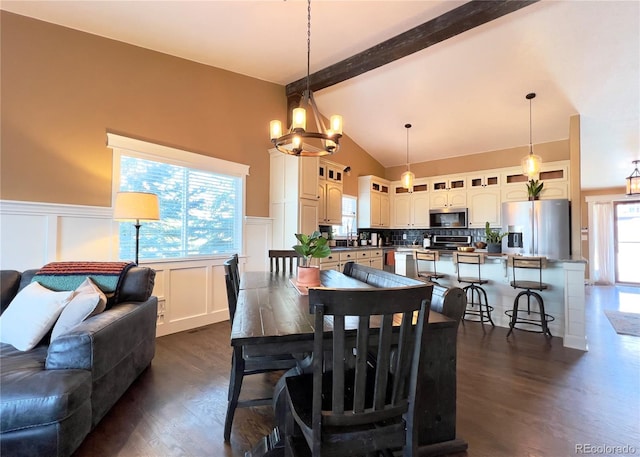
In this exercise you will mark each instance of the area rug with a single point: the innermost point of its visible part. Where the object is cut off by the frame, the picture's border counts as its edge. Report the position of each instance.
(624, 323)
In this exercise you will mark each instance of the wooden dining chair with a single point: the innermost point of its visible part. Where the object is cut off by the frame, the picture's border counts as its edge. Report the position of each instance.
(351, 404)
(279, 260)
(241, 364)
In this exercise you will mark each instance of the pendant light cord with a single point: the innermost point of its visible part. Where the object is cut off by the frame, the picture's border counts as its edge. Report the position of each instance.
(308, 41)
(407, 126)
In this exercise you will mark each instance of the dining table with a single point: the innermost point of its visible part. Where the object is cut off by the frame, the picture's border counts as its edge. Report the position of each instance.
(273, 318)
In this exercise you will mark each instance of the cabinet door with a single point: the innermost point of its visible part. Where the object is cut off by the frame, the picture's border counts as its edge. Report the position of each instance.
(438, 200)
(308, 169)
(322, 203)
(457, 199)
(385, 211)
(374, 207)
(484, 206)
(420, 210)
(308, 216)
(514, 193)
(377, 263)
(402, 211)
(554, 190)
(333, 199)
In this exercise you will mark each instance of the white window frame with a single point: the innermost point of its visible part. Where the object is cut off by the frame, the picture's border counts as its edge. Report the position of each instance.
(354, 228)
(130, 147)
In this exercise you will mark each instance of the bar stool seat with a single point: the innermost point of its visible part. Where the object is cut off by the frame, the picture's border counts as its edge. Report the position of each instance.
(478, 307)
(528, 320)
(430, 274)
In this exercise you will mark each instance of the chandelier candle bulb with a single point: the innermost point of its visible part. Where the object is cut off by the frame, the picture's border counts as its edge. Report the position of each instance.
(299, 119)
(336, 124)
(276, 129)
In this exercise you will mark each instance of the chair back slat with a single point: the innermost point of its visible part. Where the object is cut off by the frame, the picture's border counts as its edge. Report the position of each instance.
(527, 263)
(232, 282)
(364, 396)
(383, 359)
(280, 259)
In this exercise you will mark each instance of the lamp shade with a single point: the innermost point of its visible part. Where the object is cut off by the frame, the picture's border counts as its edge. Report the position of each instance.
(136, 206)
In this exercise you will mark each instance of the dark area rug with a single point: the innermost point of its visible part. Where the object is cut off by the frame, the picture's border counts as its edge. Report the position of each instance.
(624, 323)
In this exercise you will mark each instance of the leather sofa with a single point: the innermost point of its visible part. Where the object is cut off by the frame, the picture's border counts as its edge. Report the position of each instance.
(53, 395)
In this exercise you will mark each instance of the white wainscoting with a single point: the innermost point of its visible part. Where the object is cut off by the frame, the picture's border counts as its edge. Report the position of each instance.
(191, 293)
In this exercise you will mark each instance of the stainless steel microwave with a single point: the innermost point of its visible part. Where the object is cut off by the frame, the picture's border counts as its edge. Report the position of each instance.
(449, 218)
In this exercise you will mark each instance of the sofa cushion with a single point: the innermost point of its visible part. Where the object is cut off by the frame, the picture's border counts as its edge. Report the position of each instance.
(32, 396)
(88, 300)
(31, 315)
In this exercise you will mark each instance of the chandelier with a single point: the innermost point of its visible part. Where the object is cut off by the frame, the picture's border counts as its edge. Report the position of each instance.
(407, 177)
(633, 181)
(531, 163)
(293, 141)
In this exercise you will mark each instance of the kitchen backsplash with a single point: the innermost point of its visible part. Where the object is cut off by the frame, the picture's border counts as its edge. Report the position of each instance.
(395, 236)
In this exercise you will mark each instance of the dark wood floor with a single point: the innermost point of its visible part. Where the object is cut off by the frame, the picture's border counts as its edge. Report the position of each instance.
(525, 396)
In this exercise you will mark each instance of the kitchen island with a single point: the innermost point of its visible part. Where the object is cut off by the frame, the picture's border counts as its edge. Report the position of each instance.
(564, 299)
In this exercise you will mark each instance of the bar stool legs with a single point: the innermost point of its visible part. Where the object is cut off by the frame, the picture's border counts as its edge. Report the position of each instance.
(476, 295)
(539, 319)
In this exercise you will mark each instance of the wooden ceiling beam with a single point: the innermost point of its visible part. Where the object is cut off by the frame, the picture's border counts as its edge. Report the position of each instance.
(452, 23)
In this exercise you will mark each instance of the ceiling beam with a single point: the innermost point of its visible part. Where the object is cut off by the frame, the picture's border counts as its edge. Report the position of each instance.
(452, 23)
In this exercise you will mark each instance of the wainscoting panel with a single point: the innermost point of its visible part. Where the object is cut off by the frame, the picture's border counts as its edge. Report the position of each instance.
(191, 293)
(258, 236)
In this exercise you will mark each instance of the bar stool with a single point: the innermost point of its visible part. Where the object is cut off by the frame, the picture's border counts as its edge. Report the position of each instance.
(430, 274)
(476, 295)
(532, 318)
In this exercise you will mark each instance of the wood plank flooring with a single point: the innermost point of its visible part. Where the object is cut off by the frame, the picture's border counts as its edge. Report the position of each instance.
(526, 396)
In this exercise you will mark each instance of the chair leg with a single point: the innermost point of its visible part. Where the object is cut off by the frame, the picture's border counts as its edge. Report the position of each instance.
(486, 304)
(235, 384)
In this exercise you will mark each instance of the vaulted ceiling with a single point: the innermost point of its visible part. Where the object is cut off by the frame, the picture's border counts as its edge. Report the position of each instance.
(463, 96)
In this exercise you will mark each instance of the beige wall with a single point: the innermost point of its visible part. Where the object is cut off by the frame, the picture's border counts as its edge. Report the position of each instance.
(63, 90)
(552, 151)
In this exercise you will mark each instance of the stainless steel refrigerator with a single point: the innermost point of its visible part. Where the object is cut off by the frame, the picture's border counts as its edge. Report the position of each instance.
(539, 228)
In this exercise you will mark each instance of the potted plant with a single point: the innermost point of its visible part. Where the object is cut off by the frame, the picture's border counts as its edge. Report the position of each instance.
(534, 187)
(311, 246)
(494, 239)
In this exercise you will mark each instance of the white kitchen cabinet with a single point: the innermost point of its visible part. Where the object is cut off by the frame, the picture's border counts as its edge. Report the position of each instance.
(369, 257)
(293, 197)
(373, 202)
(448, 199)
(446, 183)
(329, 203)
(483, 179)
(484, 206)
(554, 175)
(410, 209)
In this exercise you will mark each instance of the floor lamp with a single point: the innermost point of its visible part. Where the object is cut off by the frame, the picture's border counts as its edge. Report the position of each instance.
(136, 206)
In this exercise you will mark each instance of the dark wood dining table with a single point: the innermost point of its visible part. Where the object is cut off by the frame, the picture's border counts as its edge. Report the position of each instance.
(273, 317)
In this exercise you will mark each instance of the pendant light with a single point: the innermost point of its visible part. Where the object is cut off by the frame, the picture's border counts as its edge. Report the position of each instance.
(293, 142)
(633, 181)
(407, 177)
(531, 163)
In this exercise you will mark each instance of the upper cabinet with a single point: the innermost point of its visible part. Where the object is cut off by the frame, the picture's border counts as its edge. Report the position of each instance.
(410, 209)
(373, 202)
(329, 193)
(446, 183)
(554, 175)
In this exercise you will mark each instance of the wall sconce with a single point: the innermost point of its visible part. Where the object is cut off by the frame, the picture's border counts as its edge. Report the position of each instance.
(347, 171)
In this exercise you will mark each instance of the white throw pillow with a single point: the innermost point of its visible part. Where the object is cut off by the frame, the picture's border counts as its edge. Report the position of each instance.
(31, 315)
(88, 300)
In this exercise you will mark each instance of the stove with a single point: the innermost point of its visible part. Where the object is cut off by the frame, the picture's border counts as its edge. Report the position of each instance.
(450, 242)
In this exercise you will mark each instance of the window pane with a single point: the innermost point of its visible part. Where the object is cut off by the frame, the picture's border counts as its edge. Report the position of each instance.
(349, 205)
(200, 211)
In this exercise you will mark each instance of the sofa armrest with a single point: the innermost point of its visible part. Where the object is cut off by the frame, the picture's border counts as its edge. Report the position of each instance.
(102, 341)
